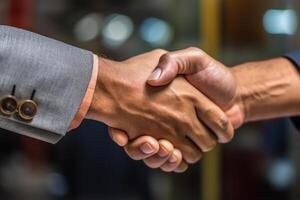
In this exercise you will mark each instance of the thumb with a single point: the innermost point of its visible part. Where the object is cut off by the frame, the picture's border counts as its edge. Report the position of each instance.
(165, 72)
(173, 63)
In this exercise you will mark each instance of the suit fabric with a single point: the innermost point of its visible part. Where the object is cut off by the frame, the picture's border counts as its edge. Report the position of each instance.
(59, 74)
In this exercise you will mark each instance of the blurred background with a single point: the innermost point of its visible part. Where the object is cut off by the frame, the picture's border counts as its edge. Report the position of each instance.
(262, 162)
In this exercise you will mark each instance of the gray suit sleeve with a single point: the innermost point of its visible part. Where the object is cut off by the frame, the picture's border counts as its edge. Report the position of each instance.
(59, 73)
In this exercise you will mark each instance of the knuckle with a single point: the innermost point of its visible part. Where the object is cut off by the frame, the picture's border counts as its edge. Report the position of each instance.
(166, 149)
(196, 50)
(218, 119)
(223, 123)
(160, 51)
(225, 128)
(167, 57)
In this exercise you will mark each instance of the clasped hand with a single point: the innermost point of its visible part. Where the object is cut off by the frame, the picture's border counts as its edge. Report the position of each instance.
(164, 118)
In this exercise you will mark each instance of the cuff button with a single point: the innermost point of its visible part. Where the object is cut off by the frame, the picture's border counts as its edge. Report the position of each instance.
(27, 110)
(8, 105)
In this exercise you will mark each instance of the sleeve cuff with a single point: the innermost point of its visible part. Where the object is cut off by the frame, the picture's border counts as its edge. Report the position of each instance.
(294, 57)
(88, 97)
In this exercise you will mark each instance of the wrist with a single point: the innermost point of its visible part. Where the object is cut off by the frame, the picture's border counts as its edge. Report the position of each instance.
(239, 108)
(99, 109)
(243, 90)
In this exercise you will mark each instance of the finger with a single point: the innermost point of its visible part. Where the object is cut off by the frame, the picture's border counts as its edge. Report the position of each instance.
(186, 61)
(190, 152)
(173, 162)
(165, 151)
(196, 132)
(118, 136)
(215, 119)
(182, 167)
(202, 137)
(142, 148)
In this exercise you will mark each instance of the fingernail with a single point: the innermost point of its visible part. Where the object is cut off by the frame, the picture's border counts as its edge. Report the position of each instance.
(163, 152)
(155, 74)
(173, 159)
(147, 148)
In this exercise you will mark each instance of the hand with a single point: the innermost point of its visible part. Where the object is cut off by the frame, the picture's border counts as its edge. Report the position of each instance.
(124, 101)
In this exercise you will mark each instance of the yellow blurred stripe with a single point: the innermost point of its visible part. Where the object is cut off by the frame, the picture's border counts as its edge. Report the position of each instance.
(210, 41)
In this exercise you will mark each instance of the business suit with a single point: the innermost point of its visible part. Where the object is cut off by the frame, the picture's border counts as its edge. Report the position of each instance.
(58, 73)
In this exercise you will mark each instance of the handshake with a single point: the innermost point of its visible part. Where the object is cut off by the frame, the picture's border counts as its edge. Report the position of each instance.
(168, 108)
(171, 107)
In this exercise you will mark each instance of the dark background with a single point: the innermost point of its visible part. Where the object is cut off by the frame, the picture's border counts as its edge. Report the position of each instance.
(262, 162)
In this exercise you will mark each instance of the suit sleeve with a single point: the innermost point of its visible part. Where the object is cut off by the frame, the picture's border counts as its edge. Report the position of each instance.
(58, 73)
(294, 57)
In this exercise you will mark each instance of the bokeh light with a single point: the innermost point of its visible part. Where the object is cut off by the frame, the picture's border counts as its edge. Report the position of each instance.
(280, 21)
(88, 28)
(117, 29)
(156, 32)
(281, 174)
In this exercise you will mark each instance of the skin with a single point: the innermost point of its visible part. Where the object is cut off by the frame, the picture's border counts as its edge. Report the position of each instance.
(171, 114)
(247, 92)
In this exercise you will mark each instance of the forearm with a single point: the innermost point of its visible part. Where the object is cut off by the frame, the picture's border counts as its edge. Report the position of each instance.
(268, 89)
